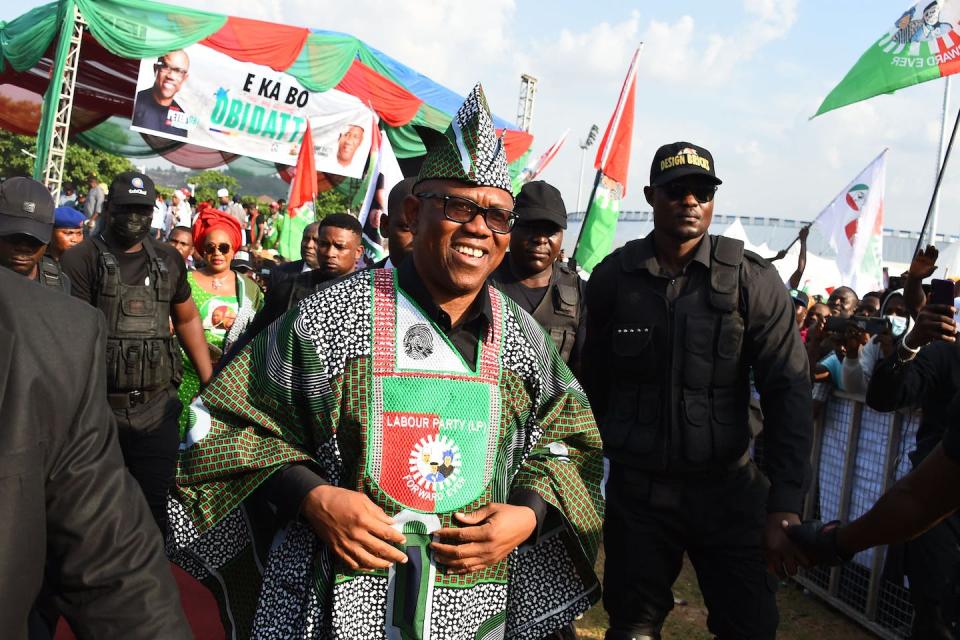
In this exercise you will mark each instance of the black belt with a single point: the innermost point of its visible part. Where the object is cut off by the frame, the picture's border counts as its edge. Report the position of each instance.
(681, 474)
(131, 399)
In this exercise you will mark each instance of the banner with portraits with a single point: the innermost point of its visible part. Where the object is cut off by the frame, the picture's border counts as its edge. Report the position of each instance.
(204, 97)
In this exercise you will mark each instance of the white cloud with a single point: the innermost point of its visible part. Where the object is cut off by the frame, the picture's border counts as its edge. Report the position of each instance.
(751, 153)
(671, 53)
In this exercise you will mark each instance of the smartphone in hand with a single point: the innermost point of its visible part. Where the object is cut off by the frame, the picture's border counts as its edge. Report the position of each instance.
(941, 292)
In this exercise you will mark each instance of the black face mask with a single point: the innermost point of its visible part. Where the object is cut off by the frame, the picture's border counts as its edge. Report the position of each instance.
(129, 228)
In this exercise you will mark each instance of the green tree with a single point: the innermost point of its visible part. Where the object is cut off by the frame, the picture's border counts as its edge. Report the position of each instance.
(328, 202)
(208, 182)
(80, 161)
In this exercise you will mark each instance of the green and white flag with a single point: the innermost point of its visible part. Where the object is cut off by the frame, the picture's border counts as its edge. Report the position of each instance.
(921, 44)
(599, 224)
(853, 223)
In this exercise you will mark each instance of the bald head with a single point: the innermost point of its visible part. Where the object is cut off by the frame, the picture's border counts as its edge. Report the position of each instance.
(842, 302)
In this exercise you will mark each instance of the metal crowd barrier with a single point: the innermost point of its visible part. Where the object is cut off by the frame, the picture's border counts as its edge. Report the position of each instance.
(857, 454)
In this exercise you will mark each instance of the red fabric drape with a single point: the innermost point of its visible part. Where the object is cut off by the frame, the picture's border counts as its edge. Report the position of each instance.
(515, 143)
(394, 104)
(267, 43)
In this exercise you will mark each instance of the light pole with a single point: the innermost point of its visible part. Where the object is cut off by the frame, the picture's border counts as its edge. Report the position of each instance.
(584, 145)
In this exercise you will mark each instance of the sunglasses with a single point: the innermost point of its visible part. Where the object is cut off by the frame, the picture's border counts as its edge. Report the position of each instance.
(679, 190)
(462, 211)
(210, 248)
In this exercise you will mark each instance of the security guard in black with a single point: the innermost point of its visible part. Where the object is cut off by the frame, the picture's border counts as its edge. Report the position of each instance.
(531, 275)
(675, 323)
(140, 286)
(26, 225)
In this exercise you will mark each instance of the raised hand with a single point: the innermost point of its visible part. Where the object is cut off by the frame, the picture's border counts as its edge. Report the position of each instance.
(934, 322)
(924, 263)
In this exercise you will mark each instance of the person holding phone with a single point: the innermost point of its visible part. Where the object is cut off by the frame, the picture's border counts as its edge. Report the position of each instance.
(861, 359)
(923, 371)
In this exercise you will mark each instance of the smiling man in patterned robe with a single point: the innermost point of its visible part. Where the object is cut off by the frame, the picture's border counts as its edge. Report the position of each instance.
(404, 455)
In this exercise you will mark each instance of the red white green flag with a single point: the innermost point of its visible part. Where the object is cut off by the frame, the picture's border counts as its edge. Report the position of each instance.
(921, 44)
(853, 223)
(612, 164)
(303, 187)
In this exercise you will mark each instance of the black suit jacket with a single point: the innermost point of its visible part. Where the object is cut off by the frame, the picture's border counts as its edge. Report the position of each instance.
(285, 271)
(67, 502)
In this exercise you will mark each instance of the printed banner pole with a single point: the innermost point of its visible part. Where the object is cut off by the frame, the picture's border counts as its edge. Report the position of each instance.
(936, 189)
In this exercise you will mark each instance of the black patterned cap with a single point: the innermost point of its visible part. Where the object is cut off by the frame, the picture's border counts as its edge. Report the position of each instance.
(469, 150)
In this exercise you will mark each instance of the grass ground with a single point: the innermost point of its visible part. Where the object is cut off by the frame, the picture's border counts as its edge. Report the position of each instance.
(802, 617)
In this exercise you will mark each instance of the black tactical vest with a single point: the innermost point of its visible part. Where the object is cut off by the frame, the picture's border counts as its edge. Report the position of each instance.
(141, 352)
(559, 311)
(681, 390)
(49, 274)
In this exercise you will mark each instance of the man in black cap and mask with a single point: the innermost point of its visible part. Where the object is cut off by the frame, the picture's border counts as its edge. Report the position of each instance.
(676, 321)
(531, 275)
(141, 287)
(26, 225)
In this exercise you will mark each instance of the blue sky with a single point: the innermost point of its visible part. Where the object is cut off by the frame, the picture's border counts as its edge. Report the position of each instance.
(741, 79)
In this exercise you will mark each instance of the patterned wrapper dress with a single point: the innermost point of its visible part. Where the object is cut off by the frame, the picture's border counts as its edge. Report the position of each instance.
(360, 385)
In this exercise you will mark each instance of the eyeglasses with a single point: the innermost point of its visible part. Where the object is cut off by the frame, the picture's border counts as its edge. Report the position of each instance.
(163, 66)
(679, 190)
(462, 211)
(210, 248)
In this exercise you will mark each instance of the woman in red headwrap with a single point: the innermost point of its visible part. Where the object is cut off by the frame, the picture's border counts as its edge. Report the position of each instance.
(227, 300)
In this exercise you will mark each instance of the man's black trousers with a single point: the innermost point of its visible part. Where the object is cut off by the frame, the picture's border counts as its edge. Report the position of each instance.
(149, 438)
(718, 520)
(933, 567)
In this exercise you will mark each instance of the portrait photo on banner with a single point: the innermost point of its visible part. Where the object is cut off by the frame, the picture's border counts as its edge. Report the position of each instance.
(204, 97)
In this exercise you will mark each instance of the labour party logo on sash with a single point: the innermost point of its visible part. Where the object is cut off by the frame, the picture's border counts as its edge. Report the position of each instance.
(437, 441)
(434, 418)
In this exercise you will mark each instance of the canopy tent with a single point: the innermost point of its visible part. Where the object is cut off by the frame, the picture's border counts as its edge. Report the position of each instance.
(121, 32)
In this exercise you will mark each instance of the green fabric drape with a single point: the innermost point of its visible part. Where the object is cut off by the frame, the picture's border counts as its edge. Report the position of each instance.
(324, 60)
(405, 140)
(24, 39)
(66, 19)
(143, 29)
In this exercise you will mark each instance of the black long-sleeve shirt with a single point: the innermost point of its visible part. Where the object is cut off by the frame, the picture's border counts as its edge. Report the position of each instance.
(928, 382)
(771, 347)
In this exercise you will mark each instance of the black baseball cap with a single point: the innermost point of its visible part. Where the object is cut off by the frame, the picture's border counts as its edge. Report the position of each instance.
(132, 188)
(538, 200)
(681, 159)
(26, 207)
(800, 297)
(241, 262)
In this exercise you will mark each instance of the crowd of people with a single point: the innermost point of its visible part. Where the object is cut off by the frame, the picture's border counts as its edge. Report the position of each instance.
(435, 445)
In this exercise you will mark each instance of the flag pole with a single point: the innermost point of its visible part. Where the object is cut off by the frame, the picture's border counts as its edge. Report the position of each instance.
(944, 114)
(936, 188)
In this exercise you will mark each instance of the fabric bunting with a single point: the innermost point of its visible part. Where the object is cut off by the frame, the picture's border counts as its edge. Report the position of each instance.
(120, 32)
